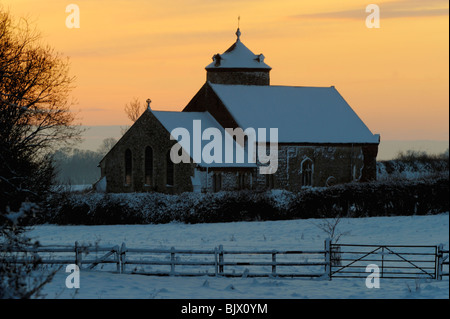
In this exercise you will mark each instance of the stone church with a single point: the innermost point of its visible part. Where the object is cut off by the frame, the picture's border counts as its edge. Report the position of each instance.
(321, 140)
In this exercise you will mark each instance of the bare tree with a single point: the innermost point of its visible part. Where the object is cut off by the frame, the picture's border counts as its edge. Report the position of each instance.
(106, 146)
(134, 109)
(35, 118)
(35, 115)
(330, 227)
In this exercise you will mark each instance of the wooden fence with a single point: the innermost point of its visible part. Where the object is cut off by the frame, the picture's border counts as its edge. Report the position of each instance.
(334, 261)
(221, 262)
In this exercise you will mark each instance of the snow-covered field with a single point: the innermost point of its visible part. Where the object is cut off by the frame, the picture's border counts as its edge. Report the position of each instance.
(268, 235)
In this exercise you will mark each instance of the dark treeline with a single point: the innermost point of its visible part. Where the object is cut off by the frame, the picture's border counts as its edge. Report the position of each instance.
(77, 167)
(413, 164)
(418, 159)
(80, 167)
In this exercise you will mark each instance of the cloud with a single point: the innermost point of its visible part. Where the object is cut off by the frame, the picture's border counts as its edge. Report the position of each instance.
(94, 109)
(139, 41)
(392, 9)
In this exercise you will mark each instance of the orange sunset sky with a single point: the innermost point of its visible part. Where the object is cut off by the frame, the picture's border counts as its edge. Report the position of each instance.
(396, 77)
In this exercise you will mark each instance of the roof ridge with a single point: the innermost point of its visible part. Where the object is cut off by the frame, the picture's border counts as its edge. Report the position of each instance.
(274, 86)
(171, 111)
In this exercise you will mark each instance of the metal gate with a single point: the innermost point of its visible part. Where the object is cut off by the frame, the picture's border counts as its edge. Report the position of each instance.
(393, 261)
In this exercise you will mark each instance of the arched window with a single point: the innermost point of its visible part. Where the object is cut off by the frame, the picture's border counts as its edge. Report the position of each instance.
(148, 166)
(307, 169)
(169, 170)
(128, 167)
(217, 182)
(242, 180)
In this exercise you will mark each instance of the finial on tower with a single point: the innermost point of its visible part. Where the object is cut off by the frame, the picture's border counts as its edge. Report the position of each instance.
(238, 32)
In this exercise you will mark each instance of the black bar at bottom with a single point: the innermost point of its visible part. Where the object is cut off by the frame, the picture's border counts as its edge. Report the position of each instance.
(223, 308)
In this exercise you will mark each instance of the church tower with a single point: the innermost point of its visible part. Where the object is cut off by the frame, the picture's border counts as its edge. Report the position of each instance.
(238, 65)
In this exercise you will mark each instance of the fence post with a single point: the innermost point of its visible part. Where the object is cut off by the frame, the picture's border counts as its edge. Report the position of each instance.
(439, 261)
(274, 266)
(216, 265)
(116, 250)
(122, 257)
(328, 258)
(172, 260)
(77, 255)
(220, 259)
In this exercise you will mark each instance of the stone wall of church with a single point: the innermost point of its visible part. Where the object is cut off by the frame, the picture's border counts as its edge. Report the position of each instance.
(146, 131)
(329, 165)
(230, 179)
(326, 164)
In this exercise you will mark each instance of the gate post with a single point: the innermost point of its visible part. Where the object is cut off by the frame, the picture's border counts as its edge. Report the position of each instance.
(328, 258)
(439, 261)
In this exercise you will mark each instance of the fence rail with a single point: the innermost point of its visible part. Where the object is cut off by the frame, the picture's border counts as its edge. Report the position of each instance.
(334, 261)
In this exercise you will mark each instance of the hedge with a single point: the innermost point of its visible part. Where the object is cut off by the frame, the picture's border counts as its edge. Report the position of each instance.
(382, 198)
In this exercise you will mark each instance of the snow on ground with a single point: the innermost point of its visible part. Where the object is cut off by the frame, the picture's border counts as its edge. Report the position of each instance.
(103, 285)
(281, 235)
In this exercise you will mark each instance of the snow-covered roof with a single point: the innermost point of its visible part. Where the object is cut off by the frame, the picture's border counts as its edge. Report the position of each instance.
(301, 114)
(238, 56)
(173, 120)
